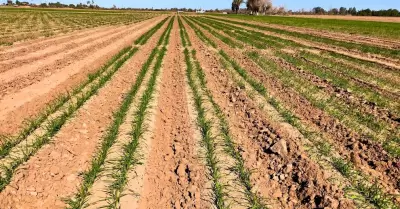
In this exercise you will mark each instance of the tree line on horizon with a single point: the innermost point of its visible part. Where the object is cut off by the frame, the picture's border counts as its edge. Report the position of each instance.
(350, 11)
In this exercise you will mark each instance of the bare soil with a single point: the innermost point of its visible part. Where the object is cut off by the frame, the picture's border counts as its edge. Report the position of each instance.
(279, 178)
(174, 176)
(174, 171)
(368, 155)
(29, 96)
(53, 173)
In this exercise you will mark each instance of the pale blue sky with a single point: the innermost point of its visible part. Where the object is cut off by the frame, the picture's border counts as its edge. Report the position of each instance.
(212, 4)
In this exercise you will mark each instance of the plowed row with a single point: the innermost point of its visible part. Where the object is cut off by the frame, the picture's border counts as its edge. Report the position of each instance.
(199, 112)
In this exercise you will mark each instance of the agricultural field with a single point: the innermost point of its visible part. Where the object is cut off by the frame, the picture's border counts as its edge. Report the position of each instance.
(200, 111)
(22, 24)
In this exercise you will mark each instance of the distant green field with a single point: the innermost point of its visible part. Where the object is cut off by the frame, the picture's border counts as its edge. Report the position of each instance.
(368, 28)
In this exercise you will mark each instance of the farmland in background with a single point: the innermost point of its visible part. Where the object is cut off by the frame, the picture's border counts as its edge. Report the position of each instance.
(124, 109)
(22, 24)
(377, 28)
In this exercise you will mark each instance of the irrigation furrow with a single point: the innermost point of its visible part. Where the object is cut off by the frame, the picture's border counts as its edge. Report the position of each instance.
(19, 149)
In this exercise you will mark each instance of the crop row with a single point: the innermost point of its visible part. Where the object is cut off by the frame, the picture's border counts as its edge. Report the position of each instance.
(363, 48)
(375, 127)
(129, 153)
(197, 82)
(15, 150)
(17, 26)
(372, 192)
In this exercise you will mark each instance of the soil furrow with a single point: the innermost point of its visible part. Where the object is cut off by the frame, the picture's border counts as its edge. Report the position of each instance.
(283, 186)
(331, 35)
(26, 98)
(173, 168)
(393, 63)
(10, 60)
(23, 76)
(344, 94)
(74, 144)
(368, 155)
(26, 47)
(379, 130)
(99, 190)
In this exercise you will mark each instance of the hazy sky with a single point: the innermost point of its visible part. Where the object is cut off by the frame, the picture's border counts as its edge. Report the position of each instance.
(212, 4)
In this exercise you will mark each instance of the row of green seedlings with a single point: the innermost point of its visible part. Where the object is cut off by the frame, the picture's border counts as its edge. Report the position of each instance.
(364, 48)
(67, 104)
(65, 25)
(262, 41)
(130, 156)
(79, 200)
(244, 174)
(360, 182)
(254, 201)
(369, 120)
(219, 189)
(184, 35)
(377, 130)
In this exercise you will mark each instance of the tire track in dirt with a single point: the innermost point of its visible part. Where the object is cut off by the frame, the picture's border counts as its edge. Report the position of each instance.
(53, 173)
(173, 168)
(17, 107)
(280, 177)
(367, 155)
(25, 75)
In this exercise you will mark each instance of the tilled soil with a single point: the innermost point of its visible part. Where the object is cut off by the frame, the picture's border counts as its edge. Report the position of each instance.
(53, 174)
(174, 175)
(386, 61)
(366, 154)
(30, 95)
(175, 168)
(281, 175)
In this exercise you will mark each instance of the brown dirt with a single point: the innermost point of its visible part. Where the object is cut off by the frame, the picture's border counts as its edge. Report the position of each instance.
(347, 96)
(174, 177)
(24, 48)
(335, 35)
(29, 101)
(53, 173)
(23, 75)
(371, 155)
(11, 60)
(284, 180)
(389, 62)
(173, 173)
